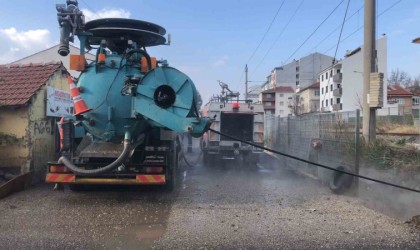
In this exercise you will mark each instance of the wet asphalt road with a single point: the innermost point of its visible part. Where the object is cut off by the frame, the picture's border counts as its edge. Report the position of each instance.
(225, 206)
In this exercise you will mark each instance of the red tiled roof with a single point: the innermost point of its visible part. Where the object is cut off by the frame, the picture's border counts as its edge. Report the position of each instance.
(397, 90)
(282, 89)
(18, 83)
(313, 86)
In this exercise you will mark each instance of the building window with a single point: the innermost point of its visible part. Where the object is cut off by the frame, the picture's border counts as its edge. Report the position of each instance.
(326, 103)
(338, 85)
(331, 87)
(338, 71)
(322, 77)
(322, 103)
(338, 100)
(331, 101)
(322, 90)
(267, 103)
(316, 92)
(297, 68)
(326, 75)
(297, 76)
(281, 103)
(267, 95)
(281, 111)
(331, 73)
(416, 101)
(395, 100)
(326, 89)
(281, 95)
(297, 83)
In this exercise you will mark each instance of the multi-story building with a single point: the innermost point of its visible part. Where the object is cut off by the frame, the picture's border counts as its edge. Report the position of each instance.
(341, 85)
(275, 100)
(300, 73)
(306, 100)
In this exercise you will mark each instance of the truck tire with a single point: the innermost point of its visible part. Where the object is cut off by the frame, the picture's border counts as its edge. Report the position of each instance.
(77, 187)
(171, 174)
(340, 182)
(171, 181)
(208, 159)
(250, 159)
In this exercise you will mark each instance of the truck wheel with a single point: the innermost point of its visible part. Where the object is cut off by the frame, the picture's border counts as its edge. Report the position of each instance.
(170, 180)
(77, 187)
(208, 159)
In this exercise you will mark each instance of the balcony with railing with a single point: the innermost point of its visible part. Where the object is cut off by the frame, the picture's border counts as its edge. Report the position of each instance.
(338, 92)
(338, 77)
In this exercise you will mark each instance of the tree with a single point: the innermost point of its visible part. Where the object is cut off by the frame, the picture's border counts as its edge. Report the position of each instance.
(400, 77)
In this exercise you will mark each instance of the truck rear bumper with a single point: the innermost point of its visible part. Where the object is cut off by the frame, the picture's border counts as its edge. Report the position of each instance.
(138, 180)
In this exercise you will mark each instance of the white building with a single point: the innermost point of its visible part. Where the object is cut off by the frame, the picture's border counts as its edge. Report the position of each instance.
(302, 72)
(51, 55)
(341, 86)
(254, 93)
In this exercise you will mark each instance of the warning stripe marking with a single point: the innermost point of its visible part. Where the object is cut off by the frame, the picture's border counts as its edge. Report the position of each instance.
(64, 178)
(150, 179)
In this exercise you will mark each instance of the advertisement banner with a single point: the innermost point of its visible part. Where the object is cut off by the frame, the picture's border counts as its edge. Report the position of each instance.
(59, 103)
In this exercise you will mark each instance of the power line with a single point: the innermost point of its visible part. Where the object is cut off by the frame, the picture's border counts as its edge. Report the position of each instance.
(278, 37)
(334, 30)
(361, 27)
(313, 32)
(341, 31)
(87, 5)
(266, 32)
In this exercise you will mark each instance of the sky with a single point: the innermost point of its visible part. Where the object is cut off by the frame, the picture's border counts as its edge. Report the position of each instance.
(213, 40)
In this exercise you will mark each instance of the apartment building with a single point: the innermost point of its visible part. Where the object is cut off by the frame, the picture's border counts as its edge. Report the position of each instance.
(306, 100)
(300, 73)
(341, 85)
(276, 100)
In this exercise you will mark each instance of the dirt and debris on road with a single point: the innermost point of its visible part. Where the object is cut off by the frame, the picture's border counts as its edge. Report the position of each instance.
(223, 206)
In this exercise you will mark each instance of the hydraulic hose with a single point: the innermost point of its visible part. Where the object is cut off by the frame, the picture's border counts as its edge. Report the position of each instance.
(92, 172)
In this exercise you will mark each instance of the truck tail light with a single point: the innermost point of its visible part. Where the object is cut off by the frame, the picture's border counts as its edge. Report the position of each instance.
(59, 169)
(153, 170)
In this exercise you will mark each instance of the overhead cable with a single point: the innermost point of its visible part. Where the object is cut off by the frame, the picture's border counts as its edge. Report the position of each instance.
(313, 32)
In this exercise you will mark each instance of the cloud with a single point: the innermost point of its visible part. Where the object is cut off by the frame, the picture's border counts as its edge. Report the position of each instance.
(15, 44)
(104, 13)
(221, 61)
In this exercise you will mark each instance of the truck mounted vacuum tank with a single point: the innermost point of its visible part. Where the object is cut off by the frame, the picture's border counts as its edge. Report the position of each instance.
(129, 107)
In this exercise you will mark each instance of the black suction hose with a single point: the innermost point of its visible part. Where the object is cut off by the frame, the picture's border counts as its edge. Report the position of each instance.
(93, 172)
(144, 53)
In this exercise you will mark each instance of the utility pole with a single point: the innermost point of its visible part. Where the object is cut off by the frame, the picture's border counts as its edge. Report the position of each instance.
(369, 66)
(246, 81)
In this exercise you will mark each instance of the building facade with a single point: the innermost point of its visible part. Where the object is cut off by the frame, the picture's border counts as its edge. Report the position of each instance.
(341, 86)
(276, 101)
(27, 134)
(306, 100)
(300, 73)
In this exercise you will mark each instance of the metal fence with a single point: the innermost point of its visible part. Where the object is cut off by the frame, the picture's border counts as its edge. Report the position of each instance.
(322, 138)
(334, 139)
(331, 139)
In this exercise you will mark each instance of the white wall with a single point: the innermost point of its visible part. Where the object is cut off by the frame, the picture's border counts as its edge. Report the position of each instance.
(352, 83)
(51, 54)
(282, 110)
